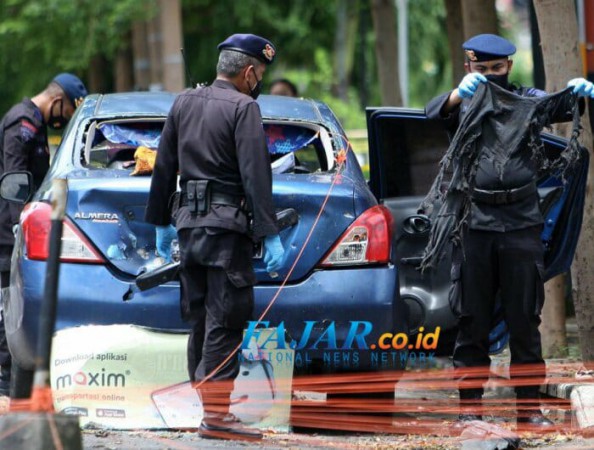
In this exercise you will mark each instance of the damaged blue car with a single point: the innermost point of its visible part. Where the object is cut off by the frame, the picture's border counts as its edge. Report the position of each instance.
(338, 264)
(354, 298)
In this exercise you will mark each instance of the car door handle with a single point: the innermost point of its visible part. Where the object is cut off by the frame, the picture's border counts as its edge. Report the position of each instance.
(286, 218)
(411, 261)
(418, 224)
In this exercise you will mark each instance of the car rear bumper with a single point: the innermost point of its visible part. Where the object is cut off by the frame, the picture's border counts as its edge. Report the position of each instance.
(91, 294)
(338, 301)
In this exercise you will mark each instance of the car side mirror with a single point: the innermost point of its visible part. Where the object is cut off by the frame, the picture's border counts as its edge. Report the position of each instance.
(16, 187)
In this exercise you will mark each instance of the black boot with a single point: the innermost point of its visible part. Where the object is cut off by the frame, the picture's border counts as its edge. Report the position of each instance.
(528, 410)
(226, 426)
(470, 405)
(534, 419)
(218, 422)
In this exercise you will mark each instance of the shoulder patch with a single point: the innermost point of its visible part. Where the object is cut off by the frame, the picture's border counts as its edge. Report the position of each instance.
(28, 130)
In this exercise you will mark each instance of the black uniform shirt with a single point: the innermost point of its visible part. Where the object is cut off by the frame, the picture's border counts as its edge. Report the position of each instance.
(518, 171)
(23, 146)
(215, 133)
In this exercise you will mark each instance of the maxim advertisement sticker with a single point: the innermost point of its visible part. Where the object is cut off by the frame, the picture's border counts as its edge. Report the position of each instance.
(124, 377)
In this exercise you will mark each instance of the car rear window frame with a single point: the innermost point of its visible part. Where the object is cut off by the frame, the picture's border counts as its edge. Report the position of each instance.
(94, 123)
(324, 136)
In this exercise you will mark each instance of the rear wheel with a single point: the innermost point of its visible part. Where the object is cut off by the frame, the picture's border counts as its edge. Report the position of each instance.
(21, 381)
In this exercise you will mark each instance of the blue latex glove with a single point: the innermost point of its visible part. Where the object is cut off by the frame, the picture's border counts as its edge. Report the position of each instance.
(469, 83)
(581, 87)
(273, 253)
(165, 236)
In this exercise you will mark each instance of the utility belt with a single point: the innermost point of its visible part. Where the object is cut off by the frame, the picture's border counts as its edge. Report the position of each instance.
(503, 197)
(198, 195)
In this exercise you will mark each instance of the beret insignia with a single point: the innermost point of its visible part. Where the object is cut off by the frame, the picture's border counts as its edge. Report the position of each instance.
(470, 54)
(268, 52)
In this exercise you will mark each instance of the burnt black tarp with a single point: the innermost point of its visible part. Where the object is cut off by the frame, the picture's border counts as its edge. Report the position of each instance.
(497, 123)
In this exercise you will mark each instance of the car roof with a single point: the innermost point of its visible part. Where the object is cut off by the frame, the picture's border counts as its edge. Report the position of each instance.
(118, 104)
(159, 103)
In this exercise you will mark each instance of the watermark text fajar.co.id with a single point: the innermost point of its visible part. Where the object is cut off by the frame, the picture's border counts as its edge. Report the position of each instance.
(346, 345)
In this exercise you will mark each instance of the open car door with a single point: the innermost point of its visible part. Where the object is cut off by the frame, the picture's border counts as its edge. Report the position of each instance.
(404, 153)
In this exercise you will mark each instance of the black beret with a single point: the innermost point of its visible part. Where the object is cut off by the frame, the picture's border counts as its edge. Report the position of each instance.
(250, 44)
(485, 47)
(72, 86)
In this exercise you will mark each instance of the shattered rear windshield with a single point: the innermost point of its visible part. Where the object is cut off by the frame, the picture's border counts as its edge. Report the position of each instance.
(126, 145)
(113, 145)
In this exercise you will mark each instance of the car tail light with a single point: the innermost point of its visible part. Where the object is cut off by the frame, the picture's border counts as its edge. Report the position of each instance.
(36, 225)
(367, 241)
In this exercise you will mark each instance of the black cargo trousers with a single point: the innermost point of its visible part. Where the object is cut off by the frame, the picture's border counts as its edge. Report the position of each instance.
(509, 263)
(217, 298)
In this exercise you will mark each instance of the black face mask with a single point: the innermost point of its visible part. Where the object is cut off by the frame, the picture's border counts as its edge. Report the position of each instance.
(257, 89)
(499, 80)
(57, 122)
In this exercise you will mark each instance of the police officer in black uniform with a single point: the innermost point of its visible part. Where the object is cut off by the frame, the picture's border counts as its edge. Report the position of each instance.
(502, 250)
(214, 137)
(24, 146)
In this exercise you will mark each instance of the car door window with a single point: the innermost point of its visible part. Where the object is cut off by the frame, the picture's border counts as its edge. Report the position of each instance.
(298, 148)
(413, 152)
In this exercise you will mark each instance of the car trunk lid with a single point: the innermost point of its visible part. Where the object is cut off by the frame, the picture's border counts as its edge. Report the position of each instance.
(109, 209)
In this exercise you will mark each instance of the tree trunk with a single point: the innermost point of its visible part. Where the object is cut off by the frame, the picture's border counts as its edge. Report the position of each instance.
(467, 18)
(124, 71)
(455, 39)
(340, 39)
(559, 41)
(171, 43)
(154, 40)
(97, 79)
(479, 16)
(361, 51)
(538, 73)
(141, 59)
(383, 13)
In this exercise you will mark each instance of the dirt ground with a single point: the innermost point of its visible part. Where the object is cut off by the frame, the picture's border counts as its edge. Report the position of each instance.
(423, 424)
(116, 440)
(324, 439)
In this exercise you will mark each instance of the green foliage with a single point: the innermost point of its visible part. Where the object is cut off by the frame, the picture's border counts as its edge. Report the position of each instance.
(40, 38)
(512, 29)
(297, 28)
(302, 31)
(316, 83)
(349, 112)
(69, 33)
(429, 55)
